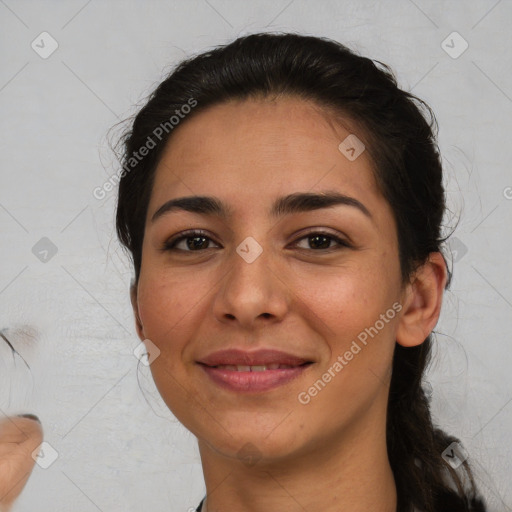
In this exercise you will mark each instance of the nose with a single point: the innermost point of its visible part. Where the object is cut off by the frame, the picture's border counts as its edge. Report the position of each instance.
(251, 292)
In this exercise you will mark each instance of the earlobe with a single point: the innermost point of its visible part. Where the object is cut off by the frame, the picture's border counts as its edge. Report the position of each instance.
(135, 306)
(422, 302)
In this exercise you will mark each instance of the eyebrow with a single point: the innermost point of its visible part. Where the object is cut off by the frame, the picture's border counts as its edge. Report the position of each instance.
(294, 203)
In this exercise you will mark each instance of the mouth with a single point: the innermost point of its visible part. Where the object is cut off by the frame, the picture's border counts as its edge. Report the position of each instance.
(257, 368)
(266, 358)
(253, 372)
(253, 379)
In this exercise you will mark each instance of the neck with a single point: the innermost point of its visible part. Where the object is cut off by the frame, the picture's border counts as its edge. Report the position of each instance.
(348, 473)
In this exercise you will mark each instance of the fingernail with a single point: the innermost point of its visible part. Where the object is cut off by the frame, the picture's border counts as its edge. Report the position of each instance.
(30, 416)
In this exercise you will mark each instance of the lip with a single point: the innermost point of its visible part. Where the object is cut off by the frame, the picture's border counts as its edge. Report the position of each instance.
(252, 381)
(239, 357)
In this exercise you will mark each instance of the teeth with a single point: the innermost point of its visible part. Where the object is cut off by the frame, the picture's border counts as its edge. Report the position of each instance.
(255, 368)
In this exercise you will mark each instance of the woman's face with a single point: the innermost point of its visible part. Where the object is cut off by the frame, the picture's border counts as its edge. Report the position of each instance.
(257, 278)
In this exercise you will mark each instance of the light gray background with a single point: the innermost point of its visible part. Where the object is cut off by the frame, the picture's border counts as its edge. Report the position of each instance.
(70, 318)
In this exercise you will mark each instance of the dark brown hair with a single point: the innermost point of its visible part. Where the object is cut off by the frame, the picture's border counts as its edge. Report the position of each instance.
(399, 131)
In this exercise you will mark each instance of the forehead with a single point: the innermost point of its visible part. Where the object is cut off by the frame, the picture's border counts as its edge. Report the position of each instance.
(248, 149)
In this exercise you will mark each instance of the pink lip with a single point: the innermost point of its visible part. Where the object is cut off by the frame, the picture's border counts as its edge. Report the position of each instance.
(252, 381)
(239, 357)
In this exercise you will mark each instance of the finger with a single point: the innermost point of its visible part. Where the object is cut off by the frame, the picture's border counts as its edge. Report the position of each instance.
(19, 437)
(23, 431)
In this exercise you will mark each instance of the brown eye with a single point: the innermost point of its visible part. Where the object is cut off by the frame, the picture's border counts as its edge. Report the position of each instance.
(322, 241)
(191, 241)
(196, 241)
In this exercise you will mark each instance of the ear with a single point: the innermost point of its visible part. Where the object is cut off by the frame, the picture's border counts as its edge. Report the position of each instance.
(135, 306)
(422, 302)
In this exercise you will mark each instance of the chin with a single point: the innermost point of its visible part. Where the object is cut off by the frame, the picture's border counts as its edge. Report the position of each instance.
(256, 451)
(251, 445)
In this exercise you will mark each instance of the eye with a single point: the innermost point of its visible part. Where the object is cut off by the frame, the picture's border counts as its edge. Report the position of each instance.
(321, 240)
(197, 240)
(190, 241)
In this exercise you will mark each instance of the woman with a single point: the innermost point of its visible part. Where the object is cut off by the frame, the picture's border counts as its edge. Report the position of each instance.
(282, 201)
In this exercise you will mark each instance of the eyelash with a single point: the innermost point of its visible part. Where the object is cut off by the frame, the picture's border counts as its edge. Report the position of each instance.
(169, 245)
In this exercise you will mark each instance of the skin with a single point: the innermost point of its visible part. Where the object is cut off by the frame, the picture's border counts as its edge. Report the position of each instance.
(330, 454)
(19, 437)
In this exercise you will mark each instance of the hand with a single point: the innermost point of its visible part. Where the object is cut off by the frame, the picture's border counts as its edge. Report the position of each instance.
(19, 437)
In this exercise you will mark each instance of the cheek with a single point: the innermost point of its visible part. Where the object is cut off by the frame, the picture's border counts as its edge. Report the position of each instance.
(351, 306)
(165, 309)
(354, 313)
(162, 304)
(349, 296)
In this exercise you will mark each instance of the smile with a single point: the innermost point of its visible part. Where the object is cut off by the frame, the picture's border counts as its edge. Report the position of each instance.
(253, 379)
(255, 368)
